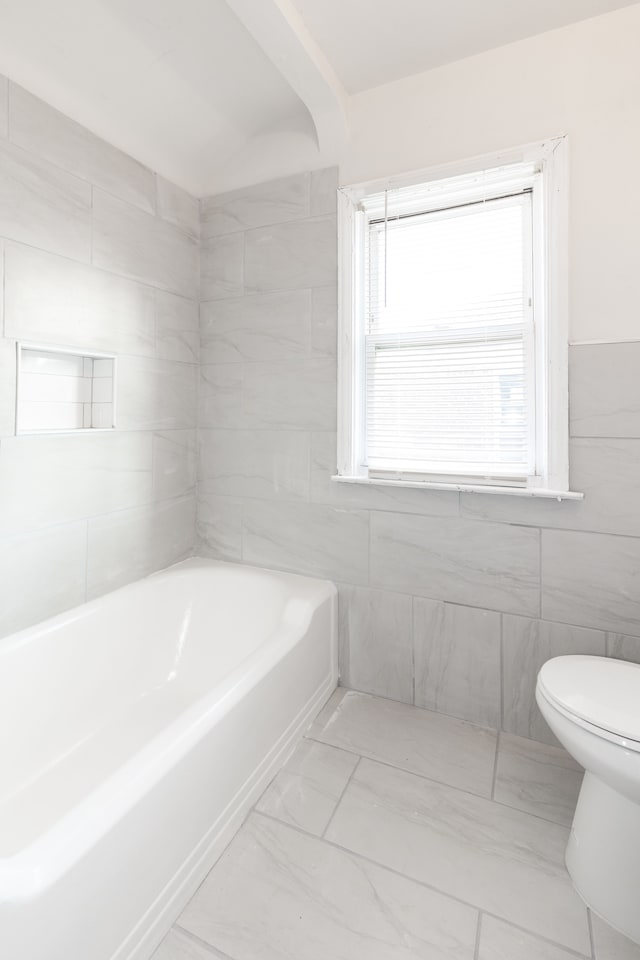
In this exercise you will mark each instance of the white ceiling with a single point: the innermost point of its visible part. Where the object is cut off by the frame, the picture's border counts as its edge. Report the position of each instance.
(371, 42)
(214, 94)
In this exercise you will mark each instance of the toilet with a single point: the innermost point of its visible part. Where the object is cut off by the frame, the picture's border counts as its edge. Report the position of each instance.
(592, 705)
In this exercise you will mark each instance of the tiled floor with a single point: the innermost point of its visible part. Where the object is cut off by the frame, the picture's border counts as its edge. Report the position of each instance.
(394, 833)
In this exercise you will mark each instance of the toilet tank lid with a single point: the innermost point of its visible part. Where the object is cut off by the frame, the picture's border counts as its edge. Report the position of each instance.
(600, 690)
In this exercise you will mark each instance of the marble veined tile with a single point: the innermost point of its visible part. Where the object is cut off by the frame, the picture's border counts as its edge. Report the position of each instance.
(50, 299)
(8, 363)
(526, 646)
(272, 464)
(307, 789)
(604, 389)
(178, 945)
(286, 198)
(324, 321)
(611, 945)
(220, 396)
(4, 107)
(277, 893)
(177, 334)
(375, 642)
(135, 244)
(457, 660)
(591, 579)
(501, 941)
(174, 463)
(488, 565)
(222, 267)
(297, 395)
(537, 778)
(291, 256)
(48, 133)
(156, 394)
(271, 326)
(219, 525)
(307, 538)
(178, 207)
(623, 648)
(42, 205)
(419, 741)
(499, 859)
(324, 186)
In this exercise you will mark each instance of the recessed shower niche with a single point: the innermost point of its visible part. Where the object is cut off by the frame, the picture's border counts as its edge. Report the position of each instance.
(61, 390)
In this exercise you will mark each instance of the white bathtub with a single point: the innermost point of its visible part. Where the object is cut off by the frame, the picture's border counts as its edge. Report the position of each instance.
(135, 733)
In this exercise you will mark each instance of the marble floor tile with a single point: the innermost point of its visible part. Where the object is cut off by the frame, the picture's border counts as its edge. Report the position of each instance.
(178, 945)
(501, 941)
(537, 778)
(432, 745)
(499, 859)
(608, 944)
(278, 893)
(306, 791)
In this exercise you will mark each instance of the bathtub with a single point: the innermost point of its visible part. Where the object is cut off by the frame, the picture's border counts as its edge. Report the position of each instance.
(135, 733)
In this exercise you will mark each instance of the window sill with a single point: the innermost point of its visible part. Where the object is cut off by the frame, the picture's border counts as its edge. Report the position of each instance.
(537, 493)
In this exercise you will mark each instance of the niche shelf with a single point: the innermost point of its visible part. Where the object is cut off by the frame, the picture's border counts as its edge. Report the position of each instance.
(60, 390)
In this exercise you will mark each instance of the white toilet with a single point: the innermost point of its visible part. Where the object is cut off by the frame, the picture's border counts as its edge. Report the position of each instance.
(592, 704)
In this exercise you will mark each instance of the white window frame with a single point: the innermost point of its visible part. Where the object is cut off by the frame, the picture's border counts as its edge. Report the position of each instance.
(551, 325)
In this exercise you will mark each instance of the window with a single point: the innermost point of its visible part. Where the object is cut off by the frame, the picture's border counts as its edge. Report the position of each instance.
(453, 344)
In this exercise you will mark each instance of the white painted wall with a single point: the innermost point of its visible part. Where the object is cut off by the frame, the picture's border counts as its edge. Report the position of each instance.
(582, 80)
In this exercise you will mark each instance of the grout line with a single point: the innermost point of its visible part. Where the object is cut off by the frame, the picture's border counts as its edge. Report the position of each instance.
(495, 770)
(440, 783)
(591, 937)
(501, 726)
(476, 952)
(420, 883)
(340, 798)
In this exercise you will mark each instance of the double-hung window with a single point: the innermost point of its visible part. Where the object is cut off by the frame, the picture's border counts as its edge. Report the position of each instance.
(453, 341)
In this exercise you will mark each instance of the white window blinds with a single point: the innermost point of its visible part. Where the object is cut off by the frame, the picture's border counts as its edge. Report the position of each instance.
(448, 339)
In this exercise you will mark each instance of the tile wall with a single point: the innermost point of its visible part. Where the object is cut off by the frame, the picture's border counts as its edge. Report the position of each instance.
(99, 254)
(448, 601)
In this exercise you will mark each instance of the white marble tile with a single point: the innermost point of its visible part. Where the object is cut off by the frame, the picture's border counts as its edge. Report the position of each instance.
(611, 945)
(429, 744)
(457, 661)
(156, 394)
(307, 538)
(591, 579)
(42, 205)
(174, 463)
(437, 503)
(623, 648)
(8, 363)
(143, 247)
(324, 321)
(606, 470)
(526, 646)
(41, 574)
(298, 395)
(49, 134)
(219, 525)
(271, 326)
(306, 791)
(501, 941)
(501, 860)
(256, 206)
(133, 543)
(178, 207)
(488, 565)
(604, 390)
(324, 185)
(289, 256)
(50, 299)
(222, 267)
(46, 480)
(178, 945)
(220, 396)
(375, 642)
(4, 107)
(271, 464)
(537, 778)
(278, 893)
(177, 334)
